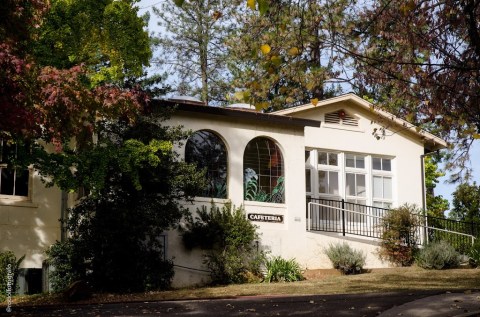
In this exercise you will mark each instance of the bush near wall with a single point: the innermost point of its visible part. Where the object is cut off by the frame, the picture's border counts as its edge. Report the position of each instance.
(400, 235)
(229, 239)
(346, 259)
(278, 269)
(438, 255)
(9, 266)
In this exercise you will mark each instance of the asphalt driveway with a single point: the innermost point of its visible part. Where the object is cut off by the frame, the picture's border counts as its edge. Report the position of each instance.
(314, 305)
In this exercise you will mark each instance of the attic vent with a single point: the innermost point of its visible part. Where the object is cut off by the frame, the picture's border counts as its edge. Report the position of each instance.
(341, 117)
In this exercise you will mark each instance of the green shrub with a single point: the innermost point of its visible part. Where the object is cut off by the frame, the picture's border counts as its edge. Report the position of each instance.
(400, 234)
(229, 240)
(438, 255)
(9, 266)
(474, 254)
(65, 266)
(346, 259)
(281, 270)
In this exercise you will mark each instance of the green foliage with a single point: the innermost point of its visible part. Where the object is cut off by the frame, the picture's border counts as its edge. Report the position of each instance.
(438, 255)
(436, 205)
(9, 266)
(400, 234)
(229, 240)
(135, 182)
(474, 254)
(285, 55)
(279, 269)
(346, 259)
(108, 36)
(252, 192)
(466, 203)
(67, 265)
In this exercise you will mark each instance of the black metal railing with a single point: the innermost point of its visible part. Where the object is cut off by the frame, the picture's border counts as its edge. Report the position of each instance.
(350, 218)
(458, 233)
(345, 217)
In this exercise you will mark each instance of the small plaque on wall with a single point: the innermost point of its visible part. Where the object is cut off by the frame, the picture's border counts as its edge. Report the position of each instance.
(265, 218)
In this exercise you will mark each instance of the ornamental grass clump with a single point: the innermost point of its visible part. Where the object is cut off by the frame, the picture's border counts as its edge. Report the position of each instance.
(279, 269)
(438, 255)
(346, 259)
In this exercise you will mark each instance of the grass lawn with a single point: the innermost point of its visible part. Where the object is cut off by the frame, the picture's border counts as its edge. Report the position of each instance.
(319, 282)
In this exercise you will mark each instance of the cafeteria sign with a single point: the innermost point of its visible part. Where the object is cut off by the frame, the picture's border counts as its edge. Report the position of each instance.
(265, 218)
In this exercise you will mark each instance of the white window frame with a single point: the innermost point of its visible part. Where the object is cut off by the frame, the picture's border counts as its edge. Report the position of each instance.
(328, 169)
(342, 170)
(14, 197)
(383, 201)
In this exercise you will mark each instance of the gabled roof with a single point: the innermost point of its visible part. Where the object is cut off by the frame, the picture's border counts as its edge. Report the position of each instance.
(431, 141)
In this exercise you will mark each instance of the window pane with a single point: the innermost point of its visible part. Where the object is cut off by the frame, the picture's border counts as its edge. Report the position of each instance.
(377, 187)
(387, 164)
(350, 160)
(333, 182)
(377, 163)
(21, 182)
(333, 159)
(360, 160)
(350, 184)
(387, 188)
(361, 187)
(322, 158)
(307, 156)
(308, 184)
(263, 171)
(322, 182)
(208, 152)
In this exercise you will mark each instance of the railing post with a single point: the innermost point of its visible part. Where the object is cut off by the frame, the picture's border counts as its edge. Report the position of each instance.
(343, 217)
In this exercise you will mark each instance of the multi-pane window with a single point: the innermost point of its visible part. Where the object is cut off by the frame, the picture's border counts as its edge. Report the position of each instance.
(360, 179)
(264, 178)
(382, 183)
(328, 174)
(208, 152)
(13, 181)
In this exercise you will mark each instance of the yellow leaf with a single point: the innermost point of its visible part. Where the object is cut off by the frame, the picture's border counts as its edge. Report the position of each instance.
(314, 101)
(289, 100)
(294, 51)
(261, 105)
(251, 4)
(265, 49)
(476, 136)
(239, 95)
(310, 85)
(276, 60)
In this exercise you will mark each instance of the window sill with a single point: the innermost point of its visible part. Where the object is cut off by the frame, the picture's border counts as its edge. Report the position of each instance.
(210, 199)
(264, 204)
(17, 203)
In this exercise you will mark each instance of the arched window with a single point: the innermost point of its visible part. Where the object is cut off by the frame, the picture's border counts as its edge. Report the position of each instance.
(207, 151)
(263, 178)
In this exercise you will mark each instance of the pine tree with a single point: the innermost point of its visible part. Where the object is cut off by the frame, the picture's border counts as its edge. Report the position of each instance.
(192, 48)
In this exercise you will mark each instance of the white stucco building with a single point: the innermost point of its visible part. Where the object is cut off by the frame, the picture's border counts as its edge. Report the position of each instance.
(272, 164)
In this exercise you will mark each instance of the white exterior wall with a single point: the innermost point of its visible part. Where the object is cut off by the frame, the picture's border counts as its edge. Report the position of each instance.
(279, 238)
(404, 148)
(30, 227)
(291, 239)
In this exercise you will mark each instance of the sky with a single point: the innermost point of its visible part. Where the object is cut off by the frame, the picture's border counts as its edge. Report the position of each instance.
(443, 187)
